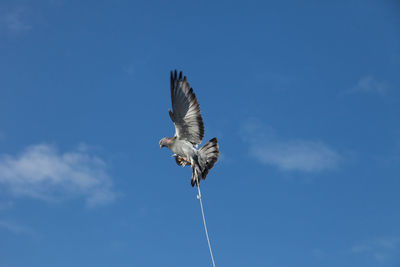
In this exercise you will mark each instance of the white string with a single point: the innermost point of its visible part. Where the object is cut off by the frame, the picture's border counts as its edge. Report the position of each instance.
(205, 225)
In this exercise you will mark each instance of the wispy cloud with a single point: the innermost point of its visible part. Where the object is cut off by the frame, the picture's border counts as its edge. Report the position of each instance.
(5, 205)
(41, 172)
(15, 228)
(318, 253)
(368, 84)
(289, 155)
(129, 69)
(381, 249)
(14, 20)
(274, 81)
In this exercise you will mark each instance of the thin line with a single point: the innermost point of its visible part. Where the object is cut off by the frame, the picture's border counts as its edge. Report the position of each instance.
(205, 225)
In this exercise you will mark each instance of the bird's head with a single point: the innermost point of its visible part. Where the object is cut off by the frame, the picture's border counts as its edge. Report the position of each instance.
(165, 142)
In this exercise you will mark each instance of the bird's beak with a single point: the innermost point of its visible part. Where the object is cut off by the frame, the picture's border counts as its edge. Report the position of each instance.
(160, 146)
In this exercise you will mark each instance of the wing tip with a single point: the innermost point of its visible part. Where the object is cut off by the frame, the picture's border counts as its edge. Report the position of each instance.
(178, 75)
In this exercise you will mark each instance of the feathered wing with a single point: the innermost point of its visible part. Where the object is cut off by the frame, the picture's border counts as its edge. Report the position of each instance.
(185, 110)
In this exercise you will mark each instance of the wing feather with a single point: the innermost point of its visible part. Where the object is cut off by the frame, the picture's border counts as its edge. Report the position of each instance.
(185, 113)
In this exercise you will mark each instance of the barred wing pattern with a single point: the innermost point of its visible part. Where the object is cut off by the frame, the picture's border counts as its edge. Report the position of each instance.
(185, 110)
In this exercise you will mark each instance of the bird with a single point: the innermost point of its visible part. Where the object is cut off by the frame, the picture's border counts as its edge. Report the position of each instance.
(189, 131)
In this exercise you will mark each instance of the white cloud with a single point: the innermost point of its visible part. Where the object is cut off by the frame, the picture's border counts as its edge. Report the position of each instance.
(130, 69)
(299, 155)
(318, 253)
(360, 248)
(6, 205)
(380, 249)
(41, 172)
(15, 20)
(274, 81)
(15, 228)
(288, 155)
(368, 84)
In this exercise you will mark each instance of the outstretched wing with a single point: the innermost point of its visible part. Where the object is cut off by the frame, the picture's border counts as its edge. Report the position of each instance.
(185, 110)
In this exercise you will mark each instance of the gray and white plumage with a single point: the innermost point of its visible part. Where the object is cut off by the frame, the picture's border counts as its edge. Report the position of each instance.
(185, 112)
(189, 131)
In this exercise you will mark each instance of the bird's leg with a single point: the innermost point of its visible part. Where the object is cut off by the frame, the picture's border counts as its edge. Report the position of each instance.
(183, 162)
(180, 160)
(196, 170)
(192, 163)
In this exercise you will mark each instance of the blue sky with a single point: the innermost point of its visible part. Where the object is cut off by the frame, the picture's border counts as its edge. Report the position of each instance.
(303, 97)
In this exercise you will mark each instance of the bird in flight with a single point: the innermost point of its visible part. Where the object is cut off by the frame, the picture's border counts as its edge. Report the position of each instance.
(189, 131)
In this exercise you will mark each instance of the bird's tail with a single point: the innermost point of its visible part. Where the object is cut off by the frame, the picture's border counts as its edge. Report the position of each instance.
(207, 156)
